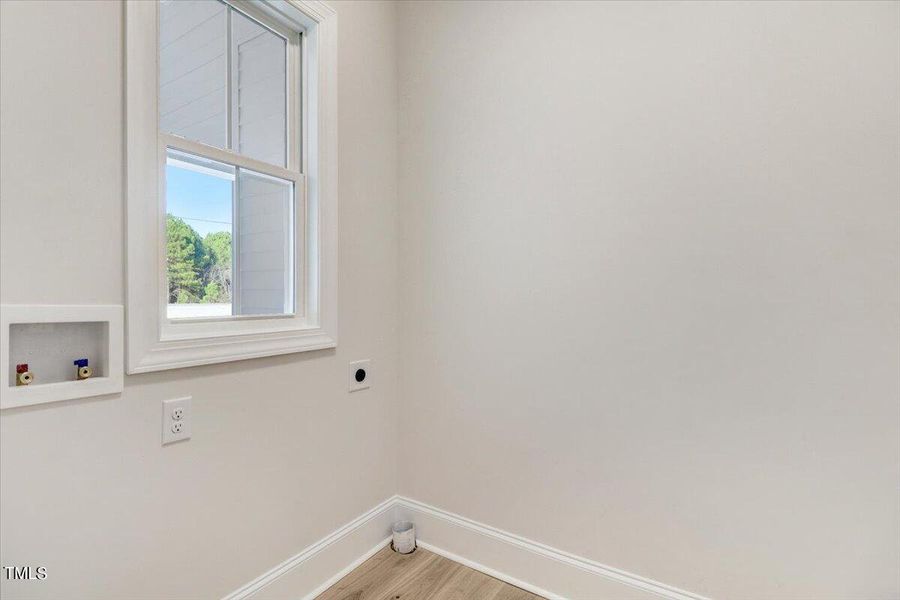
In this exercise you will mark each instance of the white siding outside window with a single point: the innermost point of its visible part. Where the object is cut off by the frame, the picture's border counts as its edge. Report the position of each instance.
(264, 242)
(193, 42)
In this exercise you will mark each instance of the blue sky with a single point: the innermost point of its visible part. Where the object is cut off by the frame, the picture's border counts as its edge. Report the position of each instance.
(203, 201)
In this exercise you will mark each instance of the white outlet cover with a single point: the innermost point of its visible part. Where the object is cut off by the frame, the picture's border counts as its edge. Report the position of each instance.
(168, 420)
(366, 367)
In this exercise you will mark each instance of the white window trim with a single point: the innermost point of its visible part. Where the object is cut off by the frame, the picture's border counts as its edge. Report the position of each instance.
(153, 342)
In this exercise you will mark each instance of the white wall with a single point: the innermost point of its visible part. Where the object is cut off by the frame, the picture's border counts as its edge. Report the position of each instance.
(281, 454)
(650, 285)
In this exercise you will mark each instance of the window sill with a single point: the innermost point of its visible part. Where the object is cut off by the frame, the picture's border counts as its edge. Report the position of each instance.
(205, 351)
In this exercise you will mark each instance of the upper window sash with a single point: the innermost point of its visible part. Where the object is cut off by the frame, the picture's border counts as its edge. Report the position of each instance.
(293, 86)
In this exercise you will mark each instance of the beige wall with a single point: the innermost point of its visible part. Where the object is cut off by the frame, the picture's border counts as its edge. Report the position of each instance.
(650, 285)
(281, 454)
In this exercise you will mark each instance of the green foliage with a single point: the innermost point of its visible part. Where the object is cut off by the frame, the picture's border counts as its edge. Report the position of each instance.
(212, 293)
(218, 274)
(198, 269)
(185, 256)
(184, 297)
(219, 245)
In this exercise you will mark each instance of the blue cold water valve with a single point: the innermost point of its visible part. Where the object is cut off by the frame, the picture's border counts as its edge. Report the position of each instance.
(84, 371)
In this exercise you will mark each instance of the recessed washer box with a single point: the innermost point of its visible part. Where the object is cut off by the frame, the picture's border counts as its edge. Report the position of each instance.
(49, 338)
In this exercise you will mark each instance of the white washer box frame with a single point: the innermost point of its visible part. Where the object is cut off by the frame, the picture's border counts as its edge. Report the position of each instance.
(12, 396)
(156, 343)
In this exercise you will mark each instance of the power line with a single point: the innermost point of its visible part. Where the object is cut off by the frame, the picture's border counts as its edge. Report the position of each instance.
(205, 220)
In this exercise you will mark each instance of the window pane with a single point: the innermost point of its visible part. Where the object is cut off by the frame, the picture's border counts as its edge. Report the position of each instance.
(265, 245)
(199, 228)
(260, 87)
(193, 43)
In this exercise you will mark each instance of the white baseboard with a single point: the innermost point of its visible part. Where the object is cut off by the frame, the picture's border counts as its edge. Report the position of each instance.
(489, 571)
(320, 565)
(346, 570)
(527, 564)
(538, 568)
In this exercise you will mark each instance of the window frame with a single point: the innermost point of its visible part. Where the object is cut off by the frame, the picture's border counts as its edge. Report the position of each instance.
(155, 342)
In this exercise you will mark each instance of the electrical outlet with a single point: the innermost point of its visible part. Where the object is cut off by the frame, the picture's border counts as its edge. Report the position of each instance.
(176, 420)
(361, 373)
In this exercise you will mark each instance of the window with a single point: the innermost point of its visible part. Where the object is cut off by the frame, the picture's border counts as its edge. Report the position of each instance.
(223, 84)
(231, 180)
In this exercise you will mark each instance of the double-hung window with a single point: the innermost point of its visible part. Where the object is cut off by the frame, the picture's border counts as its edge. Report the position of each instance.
(231, 180)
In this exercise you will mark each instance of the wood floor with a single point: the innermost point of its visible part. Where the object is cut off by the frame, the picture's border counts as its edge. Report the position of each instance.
(422, 575)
